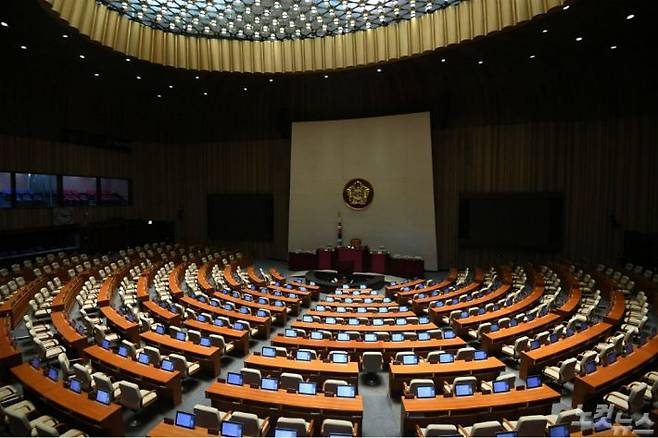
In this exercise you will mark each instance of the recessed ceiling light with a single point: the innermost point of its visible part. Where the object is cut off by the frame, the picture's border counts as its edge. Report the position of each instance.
(326, 76)
(613, 47)
(197, 77)
(244, 89)
(379, 70)
(138, 77)
(4, 24)
(532, 56)
(96, 75)
(82, 56)
(23, 47)
(159, 96)
(271, 80)
(565, 7)
(579, 39)
(443, 60)
(205, 93)
(480, 62)
(127, 59)
(171, 87)
(64, 35)
(630, 16)
(544, 31)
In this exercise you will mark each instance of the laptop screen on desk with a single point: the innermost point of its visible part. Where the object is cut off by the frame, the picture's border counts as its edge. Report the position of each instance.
(316, 335)
(269, 384)
(347, 391)
(103, 397)
(423, 336)
(205, 342)
(53, 374)
(307, 388)
(446, 358)
(590, 367)
(303, 355)
(339, 358)
(397, 337)
(462, 389)
(425, 392)
(75, 385)
(234, 379)
(370, 337)
(284, 433)
(559, 430)
(180, 336)
(268, 352)
(160, 330)
(167, 365)
(143, 358)
(480, 355)
(409, 359)
(123, 351)
(184, 419)
(500, 386)
(533, 382)
(231, 429)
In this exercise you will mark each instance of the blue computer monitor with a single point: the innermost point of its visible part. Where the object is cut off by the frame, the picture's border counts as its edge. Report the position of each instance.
(269, 384)
(463, 389)
(218, 322)
(185, 419)
(494, 327)
(339, 358)
(160, 329)
(425, 391)
(330, 320)
(342, 337)
(53, 374)
(75, 385)
(284, 433)
(401, 321)
(234, 379)
(383, 310)
(410, 359)
(167, 365)
(423, 336)
(507, 434)
(231, 429)
(590, 366)
(105, 344)
(480, 355)
(533, 382)
(123, 351)
(36, 363)
(180, 336)
(345, 391)
(205, 342)
(143, 358)
(534, 344)
(500, 386)
(103, 397)
(559, 430)
(397, 337)
(307, 388)
(303, 355)
(612, 358)
(316, 335)
(553, 337)
(446, 358)
(629, 348)
(370, 337)
(290, 333)
(601, 424)
(202, 318)
(404, 309)
(353, 321)
(449, 334)
(307, 318)
(570, 332)
(268, 352)
(377, 321)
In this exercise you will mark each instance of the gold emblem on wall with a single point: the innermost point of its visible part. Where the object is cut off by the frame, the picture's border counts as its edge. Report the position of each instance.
(358, 193)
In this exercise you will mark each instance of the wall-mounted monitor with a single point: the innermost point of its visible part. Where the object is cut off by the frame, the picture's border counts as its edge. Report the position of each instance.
(79, 190)
(5, 190)
(115, 191)
(36, 190)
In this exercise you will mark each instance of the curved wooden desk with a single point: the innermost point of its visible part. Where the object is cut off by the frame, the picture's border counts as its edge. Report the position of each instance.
(166, 383)
(279, 403)
(441, 372)
(126, 328)
(476, 408)
(208, 357)
(68, 334)
(317, 369)
(293, 304)
(262, 323)
(240, 338)
(436, 313)
(280, 314)
(364, 328)
(419, 304)
(78, 408)
(163, 429)
(369, 315)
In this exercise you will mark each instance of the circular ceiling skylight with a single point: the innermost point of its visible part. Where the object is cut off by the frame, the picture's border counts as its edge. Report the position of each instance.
(271, 19)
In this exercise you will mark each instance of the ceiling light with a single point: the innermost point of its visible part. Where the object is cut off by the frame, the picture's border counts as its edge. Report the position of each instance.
(64, 35)
(271, 80)
(379, 70)
(565, 7)
(532, 56)
(480, 62)
(24, 47)
(4, 24)
(82, 56)
(579, 39)
(326, 76)
(443, 60)
(244, 89)
(544, 31)
(205, 93)
(171, 87)
(613, 47)
(197, 77)
(127, 59)
(159, 96)
(138, 77)
(96, 75)
(630, 16)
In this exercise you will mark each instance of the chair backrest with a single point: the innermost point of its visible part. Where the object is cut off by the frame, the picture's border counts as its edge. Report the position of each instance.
(180, 363)
(283, 352)
(290, 380)
(19, 425)
(131, 397)
(44, 429)
(465, 353)
(153, 354)
(331, 426)
(465, 380)
(372, 361)
(83, 375)
(399, 354)
(218, 341)
(104, 383)
(207, 416)
(521, 344)
(486, 428)
(636, 397)
(298, 424)
(441, 430)
(415, 383)
(570, 417)
(251, 376)
(330, 385)
(531, 425)
(64, 364)
(250, 425)
(568, 369)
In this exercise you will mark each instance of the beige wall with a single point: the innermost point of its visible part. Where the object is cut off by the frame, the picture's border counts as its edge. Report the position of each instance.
(394, 153)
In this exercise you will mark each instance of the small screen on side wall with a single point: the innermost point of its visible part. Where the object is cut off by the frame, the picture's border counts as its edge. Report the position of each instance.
(79, 190)
(36, 190)
(115, 191)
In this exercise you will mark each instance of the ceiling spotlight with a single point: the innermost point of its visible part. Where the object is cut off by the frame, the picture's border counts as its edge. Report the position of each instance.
(544, 31)
(138, 77)
(4, 24)
(579, 39)
(379, 70)
(97, 75)
(443, 60)
(271, 80)
(565, 7)
(197, 77)
(532, 56)
(244, 89)
(82, 56)
(614, 47)
(630, 16)
(64, 35)
(326, 76)
(127, 59)
(480, 62)
(205, 93)
(171, 87)
(23, 47)
(159, 96)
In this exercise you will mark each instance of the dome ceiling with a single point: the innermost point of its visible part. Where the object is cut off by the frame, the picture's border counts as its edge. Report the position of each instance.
(271, 19)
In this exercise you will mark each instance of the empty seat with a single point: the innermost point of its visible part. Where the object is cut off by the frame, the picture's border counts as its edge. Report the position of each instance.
(251, 424)
(299, 425)
(20, 425)
(570, 417)
(631, 402)
(208, 417)
(437, 430)
(483, 429)
(338, 427)
(181, 364)
(103, 382)
(372, 361)
(290, 381)
(565, 372)
(529, 425)
(251, 376)
(330, 385)
(132, 397)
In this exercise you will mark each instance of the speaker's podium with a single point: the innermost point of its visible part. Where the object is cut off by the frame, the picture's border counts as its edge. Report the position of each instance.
(355, 256)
